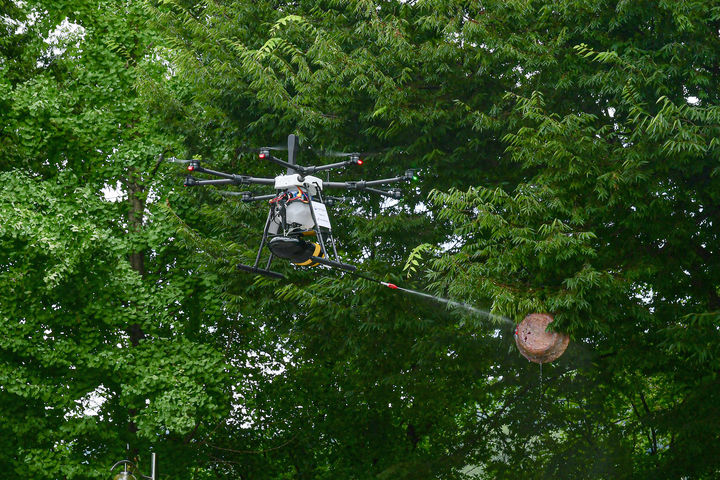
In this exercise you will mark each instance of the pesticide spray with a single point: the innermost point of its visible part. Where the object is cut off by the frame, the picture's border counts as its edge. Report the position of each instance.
(446, 301)
(449, 302)
(531, 336)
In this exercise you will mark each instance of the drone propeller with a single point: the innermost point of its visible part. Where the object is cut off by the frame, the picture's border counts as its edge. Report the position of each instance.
(192, 164)
(330, 200)
(247, 196)
(179, 160)
(246, 149)
(234, 194)
(333, 153)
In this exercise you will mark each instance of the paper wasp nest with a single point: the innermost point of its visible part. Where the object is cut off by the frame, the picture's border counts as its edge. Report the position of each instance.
(535, 343)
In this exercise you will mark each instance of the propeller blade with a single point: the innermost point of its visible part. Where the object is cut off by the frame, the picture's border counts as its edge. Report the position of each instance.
(333, 153)
(246, 149)
(233, 194)
(276, 147)
(179, 160)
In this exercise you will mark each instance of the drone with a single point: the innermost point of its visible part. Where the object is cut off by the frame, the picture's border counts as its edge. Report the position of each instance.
(298, 226)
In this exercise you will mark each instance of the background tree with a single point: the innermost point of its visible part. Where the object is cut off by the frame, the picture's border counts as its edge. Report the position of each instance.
(568, 164)
(102, 342)
(576, 195)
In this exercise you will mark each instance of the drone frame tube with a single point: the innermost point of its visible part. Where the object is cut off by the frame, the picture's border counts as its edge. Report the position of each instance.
(253, 198)
(290, 166)
(333, 263)
(329, 166)
(362, 184)
(229, 179)
(390, 194)
(254, 269)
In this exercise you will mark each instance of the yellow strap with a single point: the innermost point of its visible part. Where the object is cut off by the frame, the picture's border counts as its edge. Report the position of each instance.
(309, 262)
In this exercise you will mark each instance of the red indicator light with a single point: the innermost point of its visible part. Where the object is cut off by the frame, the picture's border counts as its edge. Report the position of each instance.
(392, 285)
(191, 167)
(360, 161)
(262, 155)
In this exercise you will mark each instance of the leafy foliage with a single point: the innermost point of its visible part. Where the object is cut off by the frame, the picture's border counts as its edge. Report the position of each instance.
(568, 163)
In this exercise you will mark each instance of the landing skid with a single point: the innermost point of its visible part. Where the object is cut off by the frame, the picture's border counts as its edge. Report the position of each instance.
(334, 264)
(260, 271)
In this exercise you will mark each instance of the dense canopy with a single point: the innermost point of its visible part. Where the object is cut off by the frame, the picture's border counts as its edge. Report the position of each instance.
(568, 163)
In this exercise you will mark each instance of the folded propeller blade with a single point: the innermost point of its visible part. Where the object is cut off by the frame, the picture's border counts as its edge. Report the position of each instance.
(333, 153)
(233, 194)
(179, 160)
(246, 149)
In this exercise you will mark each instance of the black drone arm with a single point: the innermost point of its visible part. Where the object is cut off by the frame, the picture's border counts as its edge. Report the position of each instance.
(237, 180)
(354, 160)
(320, 168)
(249, 197)
(298, 168)
(363, 184)
(396, 194)
(225, 178)
(200, 169)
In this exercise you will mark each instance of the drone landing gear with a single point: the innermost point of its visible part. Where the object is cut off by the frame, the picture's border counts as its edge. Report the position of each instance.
(333, 263)
(260, 271)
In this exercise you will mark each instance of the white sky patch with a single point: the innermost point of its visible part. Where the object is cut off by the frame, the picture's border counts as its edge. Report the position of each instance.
(65, 31)
(114, 193)
(89, 405)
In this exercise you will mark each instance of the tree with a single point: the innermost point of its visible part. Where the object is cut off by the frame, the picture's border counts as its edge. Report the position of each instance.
(611, 230)
(567, 121)
(103, 343)
(567, 158)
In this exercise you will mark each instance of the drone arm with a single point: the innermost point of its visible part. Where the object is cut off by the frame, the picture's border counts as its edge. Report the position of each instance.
(252, 198)
(234, 179)
(384, 181)
(192, 182)
(242, 179)
(228, 179)
(330, 166)
(229, 176)
(396, 194)
(363, 185)
(301, 170)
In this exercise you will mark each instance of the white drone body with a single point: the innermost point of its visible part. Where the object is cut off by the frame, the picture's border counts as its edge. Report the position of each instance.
(301, 214)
